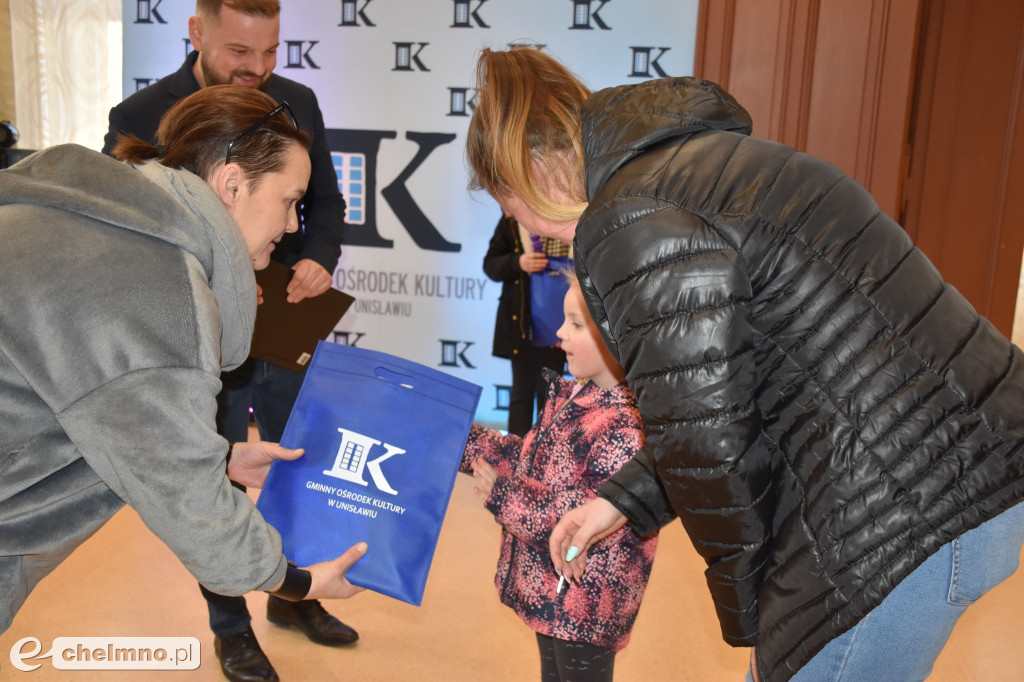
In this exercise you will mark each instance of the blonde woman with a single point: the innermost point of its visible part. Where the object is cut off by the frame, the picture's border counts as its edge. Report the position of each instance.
(836, 428)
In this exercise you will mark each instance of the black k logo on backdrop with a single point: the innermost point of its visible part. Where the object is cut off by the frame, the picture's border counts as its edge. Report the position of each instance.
(348, 338)
(146, 12)
(502, 396)
(451, 356)
(351, 13)
(642, 62)
(460, 103)
(583, 15)
(465, 15)
(297, 57)
(366, 144)
(405, 57)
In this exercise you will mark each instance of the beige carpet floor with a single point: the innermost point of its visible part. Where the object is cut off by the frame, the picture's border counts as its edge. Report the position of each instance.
(123, 582)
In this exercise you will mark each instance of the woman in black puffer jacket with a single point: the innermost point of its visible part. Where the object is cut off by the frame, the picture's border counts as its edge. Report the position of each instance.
(822, 411)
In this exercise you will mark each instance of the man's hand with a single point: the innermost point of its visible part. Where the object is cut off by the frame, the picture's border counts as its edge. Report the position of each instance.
(578, 530)
(250, 461)
(310, 279)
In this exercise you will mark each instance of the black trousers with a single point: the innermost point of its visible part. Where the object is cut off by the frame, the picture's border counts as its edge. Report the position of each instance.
(271, 391)
(563, 661)
(528, 386)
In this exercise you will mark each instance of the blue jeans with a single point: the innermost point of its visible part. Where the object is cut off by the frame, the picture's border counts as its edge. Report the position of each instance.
(271, 392)
(268, 389)
(900, 639)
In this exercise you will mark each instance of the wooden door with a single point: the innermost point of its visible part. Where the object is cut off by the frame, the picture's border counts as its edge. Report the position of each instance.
(964, 198)
(920, 101)
(833, 78)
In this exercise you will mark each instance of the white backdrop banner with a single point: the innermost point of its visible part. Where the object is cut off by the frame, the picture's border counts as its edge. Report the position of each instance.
(395, 82)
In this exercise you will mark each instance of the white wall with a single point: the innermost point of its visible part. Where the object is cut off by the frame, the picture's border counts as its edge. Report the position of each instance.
(420, 302)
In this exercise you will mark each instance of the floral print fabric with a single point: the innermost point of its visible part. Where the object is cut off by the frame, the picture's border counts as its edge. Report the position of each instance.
(578, 442)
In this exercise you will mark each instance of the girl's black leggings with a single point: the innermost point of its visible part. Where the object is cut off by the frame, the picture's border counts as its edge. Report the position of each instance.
(563, 661)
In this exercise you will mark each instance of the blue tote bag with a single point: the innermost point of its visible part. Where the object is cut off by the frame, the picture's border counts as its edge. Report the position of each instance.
(547, 295)
(383, 438)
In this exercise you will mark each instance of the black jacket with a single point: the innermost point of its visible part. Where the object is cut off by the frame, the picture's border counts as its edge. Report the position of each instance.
(501, 264)
(822, 410)
(323, 208)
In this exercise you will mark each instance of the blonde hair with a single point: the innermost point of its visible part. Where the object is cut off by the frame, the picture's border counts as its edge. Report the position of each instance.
(568, 273)
(527, 124)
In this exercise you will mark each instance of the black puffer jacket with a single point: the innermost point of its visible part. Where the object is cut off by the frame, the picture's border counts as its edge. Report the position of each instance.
(822, 411)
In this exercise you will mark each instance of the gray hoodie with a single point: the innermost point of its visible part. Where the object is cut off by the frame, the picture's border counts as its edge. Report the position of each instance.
(123, 294)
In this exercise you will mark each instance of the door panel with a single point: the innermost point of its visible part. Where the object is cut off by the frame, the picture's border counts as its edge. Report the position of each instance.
(963, 200)
(921, 102)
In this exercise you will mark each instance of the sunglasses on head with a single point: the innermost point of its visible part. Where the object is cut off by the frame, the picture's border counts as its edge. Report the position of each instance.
(283, 106)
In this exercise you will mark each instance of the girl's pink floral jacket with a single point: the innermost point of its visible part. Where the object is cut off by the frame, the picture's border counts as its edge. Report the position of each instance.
(559, 465)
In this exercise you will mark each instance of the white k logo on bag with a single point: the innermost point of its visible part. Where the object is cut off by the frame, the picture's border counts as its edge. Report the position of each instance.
(352, 460)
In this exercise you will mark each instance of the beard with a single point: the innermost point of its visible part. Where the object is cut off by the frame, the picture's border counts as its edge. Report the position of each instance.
(214, 77)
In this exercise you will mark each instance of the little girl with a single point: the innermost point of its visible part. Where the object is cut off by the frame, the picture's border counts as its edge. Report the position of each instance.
(587, 430)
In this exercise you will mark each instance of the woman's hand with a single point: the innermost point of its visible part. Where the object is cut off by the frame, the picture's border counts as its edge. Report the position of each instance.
(533, 262)
(578, 530)
(329, 581)
(484, 475)
(250, 461)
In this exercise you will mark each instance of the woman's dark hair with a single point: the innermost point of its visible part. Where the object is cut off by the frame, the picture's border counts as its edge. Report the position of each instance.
(195, 133)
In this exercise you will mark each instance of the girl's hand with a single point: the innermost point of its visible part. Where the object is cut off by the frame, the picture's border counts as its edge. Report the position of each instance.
(484, 475)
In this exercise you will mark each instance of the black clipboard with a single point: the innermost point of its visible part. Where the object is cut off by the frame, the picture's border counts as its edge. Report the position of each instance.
(286, 334)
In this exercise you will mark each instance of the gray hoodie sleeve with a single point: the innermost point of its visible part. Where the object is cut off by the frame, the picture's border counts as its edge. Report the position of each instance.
(121, 324)
(146, 437)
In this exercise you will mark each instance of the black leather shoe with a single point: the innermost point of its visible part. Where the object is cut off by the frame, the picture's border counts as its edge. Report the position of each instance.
(242, 659)
(311, 618)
